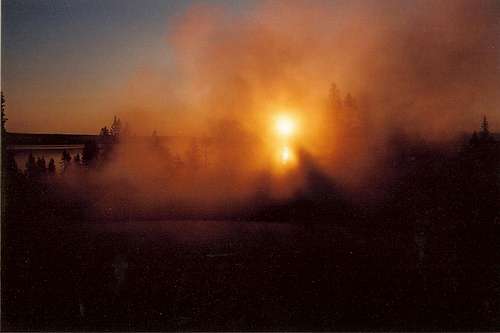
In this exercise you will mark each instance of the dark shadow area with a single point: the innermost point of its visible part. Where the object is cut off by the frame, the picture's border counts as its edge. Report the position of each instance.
(423, 256)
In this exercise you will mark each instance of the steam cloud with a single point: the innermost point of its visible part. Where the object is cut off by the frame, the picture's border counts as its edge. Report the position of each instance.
(426, 68)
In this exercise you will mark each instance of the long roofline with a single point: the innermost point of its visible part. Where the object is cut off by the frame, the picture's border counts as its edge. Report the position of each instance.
(65, 139)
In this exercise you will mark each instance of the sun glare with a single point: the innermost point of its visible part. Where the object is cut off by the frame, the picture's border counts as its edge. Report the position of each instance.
(285, 131)
(285, 155)
(285, 126)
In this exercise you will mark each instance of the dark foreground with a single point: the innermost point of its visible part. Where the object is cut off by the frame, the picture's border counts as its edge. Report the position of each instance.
(187, 275)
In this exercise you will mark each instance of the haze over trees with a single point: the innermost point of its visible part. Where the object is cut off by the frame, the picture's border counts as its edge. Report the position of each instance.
(249, 192)
(433, 197)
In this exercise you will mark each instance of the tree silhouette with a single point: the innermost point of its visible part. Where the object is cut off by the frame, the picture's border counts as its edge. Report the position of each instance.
(116, 128)
(480, 165)
(41, 165)
(89, 154)
(9, 165)
(4, 119)
(335, 99)
(350, 102)
(353, 120)
(474, 140)
(65, 160)
(125, 130)
(31, 167)
(161, 150)
(52, 167)
(484, 134)
(77, 159)
(485, 128)
(154, 139)
(104, 132)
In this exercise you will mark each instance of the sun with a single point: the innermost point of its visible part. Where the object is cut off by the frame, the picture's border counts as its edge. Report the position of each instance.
(285, 126)
(285, 136)
(285, 155)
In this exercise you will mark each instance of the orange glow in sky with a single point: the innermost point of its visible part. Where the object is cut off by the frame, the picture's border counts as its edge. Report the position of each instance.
(285, 126)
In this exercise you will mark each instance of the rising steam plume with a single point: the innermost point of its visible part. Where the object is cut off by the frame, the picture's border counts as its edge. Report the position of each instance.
(352, 72)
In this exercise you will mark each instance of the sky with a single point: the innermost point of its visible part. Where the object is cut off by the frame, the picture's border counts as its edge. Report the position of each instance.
(63, 61)
(69, 66)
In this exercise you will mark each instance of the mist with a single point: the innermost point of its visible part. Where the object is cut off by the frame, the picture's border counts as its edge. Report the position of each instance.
(288, 165)
(351, 73)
